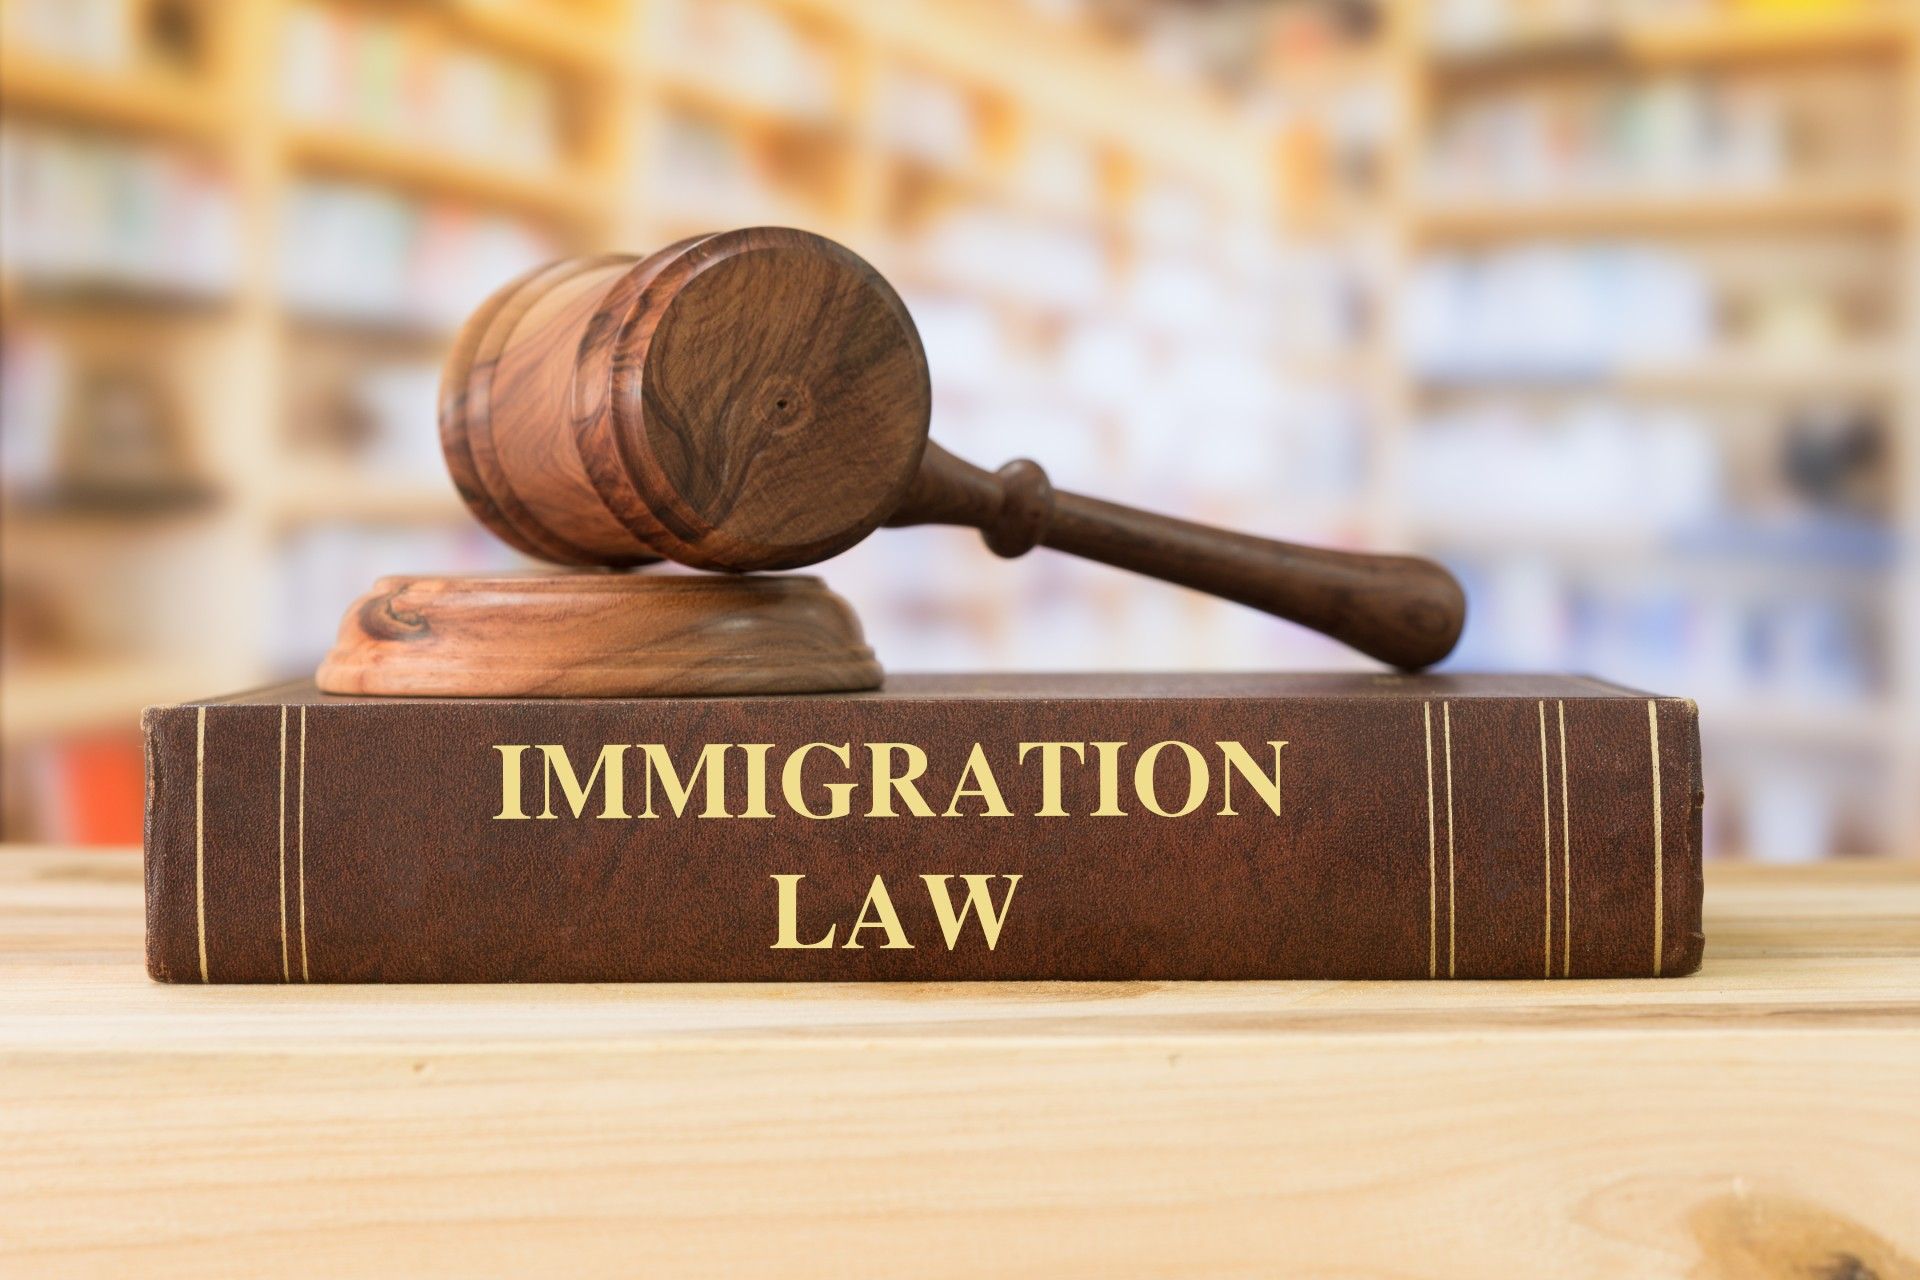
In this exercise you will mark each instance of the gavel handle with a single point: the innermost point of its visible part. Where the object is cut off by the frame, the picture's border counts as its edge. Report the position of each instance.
(1399, 609)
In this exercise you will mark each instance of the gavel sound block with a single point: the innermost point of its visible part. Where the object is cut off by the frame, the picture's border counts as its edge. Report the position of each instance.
(748, 401)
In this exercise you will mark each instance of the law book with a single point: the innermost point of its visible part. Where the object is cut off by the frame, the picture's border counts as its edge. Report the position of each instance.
(1197, 826)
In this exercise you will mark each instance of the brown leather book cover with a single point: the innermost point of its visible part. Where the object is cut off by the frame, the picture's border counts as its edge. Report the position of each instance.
(950, 827)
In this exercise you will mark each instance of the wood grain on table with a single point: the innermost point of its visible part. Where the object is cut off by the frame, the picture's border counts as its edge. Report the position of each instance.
(1759, 1119)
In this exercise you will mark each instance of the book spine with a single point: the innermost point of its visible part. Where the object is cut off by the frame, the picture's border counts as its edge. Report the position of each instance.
(971, 838)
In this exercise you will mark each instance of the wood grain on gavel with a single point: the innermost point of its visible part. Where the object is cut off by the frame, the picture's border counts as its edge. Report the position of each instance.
(759, 399)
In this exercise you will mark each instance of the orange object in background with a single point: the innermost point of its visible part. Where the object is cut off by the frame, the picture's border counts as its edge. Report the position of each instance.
(92, 789)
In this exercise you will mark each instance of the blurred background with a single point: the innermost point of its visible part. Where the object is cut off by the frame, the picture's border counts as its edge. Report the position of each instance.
(1609, 304)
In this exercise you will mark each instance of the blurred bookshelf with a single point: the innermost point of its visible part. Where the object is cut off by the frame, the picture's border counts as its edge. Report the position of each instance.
(1662, 273)
(240, 234)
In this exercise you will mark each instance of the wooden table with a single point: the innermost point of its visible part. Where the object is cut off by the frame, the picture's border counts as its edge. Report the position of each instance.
(1760, 1119)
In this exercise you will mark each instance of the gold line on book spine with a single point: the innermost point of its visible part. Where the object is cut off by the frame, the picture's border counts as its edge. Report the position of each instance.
(1433, 874)
(1659, 861)
(300, 841)
(1566, 858)
(1546, 831)
(286, 968)
(200, 836)
(1446, 737)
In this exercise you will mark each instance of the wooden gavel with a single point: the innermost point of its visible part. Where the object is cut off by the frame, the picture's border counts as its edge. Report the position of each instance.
(759, 399)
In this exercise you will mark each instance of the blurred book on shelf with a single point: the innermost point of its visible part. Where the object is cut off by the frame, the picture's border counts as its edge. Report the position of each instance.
(744, 53)
(1608, 303)
(363, 254)
(88, 213)
(382, 73)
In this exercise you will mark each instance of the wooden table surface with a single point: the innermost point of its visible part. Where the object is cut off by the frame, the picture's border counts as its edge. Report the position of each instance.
(1759, 1119)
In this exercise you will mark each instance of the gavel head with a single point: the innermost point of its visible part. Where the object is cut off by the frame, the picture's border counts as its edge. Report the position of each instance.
(754, 399)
